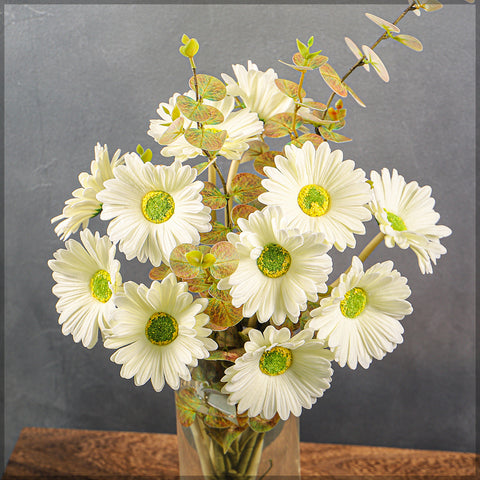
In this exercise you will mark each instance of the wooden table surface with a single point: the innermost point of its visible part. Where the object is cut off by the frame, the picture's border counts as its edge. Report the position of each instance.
(54, 454)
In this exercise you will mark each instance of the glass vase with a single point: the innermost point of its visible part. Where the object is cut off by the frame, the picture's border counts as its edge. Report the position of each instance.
(216, 443)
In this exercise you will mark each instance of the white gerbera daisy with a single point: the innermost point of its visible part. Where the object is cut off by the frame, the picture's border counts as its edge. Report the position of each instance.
(318, 191)
(84, 205)
(279, 269)
(86, 277)
(159, 332)
(258, 91)
(360, 320)
(153, 208)
(278, 373)
(404, 212)
(241, 126)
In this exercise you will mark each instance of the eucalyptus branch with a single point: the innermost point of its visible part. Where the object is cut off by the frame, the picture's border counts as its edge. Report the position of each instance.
(362, 60)
(232, 171)
(364, 254)
(297, 107)
(224, 185)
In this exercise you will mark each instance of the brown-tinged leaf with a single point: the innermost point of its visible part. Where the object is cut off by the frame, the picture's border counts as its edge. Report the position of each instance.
(223, 295)
(357, 52)
(209, 87)
(188, 404)
(355, 96)
(218, 233)
(159, 273)
(222, 314)
(226, 260)
(410, 42)
(321, 107)
(256, 148)
(200, 284)
(198, 112)
(225, 437)
(227, 355)
(289, 88)
(216, 419)
(308, 137)
(212, 196)
(205, 139)
(246, 187)
(333, 136)
(266, 159)
(280, 125)
(260, 425)
(312, 63)
(174, 130)
(242, 211)
(333, 80)
(181, 265)
(200, 167)
(297, 67)
(374, 60)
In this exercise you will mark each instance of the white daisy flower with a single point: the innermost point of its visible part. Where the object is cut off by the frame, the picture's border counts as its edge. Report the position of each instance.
(318, 191)
(153, 209)
(404, 212)
(278, 373)
(360, 320)
(258, 91)
(241, 126)
(86, 277)
(279, 269)
(84, 205)
(159, 332)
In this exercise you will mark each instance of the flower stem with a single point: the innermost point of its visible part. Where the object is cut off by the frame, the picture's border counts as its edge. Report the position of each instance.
(228, 189)
(212, 178)
(364, 254)
(297, 107)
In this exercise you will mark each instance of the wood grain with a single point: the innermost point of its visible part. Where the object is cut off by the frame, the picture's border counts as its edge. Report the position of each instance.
(54, 454)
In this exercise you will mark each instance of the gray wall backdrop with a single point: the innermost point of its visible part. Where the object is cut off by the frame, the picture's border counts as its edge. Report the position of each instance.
(78, 74)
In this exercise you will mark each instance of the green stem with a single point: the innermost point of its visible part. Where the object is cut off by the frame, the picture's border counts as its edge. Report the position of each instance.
(297, 107)
(201, 445)
(364, 254)
(252, 469)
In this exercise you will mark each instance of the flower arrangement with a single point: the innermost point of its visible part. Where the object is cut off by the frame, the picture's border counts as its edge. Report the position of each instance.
(241, 298)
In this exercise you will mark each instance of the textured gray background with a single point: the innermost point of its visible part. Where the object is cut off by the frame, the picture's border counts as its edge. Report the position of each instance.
(80, 74)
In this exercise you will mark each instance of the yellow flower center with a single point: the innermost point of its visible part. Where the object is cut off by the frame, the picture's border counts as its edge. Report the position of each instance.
(157, 207)
(354, 302)
(274, 261)
(99, 286)
(275, 361)
(161, 329)
(314, 200)
(396, 222)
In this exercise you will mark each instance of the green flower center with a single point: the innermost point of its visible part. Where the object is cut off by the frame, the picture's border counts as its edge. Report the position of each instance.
(161, 329)
(274, 261)
(314, 200)
(354, 302)
(275, 361)
(396, 222)
(99, 286)
(157, 207)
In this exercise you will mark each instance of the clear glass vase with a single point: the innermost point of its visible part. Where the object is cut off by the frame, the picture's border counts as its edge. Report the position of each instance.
(215, 443)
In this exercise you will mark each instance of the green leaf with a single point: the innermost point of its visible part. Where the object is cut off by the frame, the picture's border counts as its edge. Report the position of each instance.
(355, 96)
(190, 47)
(280, 125)
(289, 88)
(410, 42)
(308, 137)
(222, 314)
(197, 112)
(139, 149)
(260, 425)
(212, 196)
(225, 437)
(180, 263)
(333, 80)
(200, 168)
(194, 258)
(333, 136)
(209, 87)
(218, 233)
(242, 211)
(246, 187)
(188, 404)
(146, 155)
(211, 141)
(389, 27)
(159, 273)
(226, 260)
(310, 41)
(174, 130)
(208, 260)
(302, 48)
